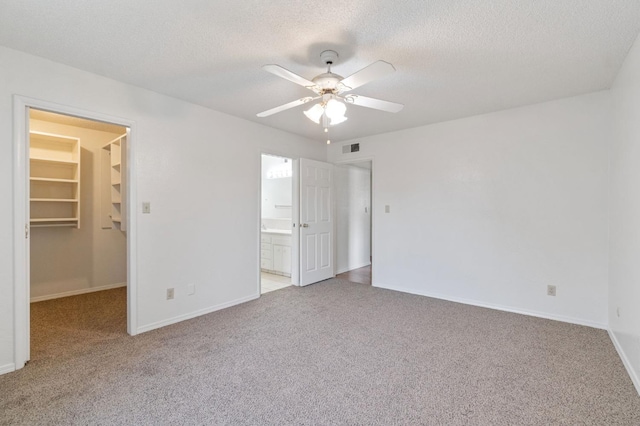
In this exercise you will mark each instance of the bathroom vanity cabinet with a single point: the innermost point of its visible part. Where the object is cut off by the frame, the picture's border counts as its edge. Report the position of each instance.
(275, 253)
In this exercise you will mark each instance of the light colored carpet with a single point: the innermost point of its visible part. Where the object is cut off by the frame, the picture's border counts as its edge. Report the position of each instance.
(331, 353)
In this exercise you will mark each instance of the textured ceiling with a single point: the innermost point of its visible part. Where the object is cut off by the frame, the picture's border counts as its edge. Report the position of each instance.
(453, 58)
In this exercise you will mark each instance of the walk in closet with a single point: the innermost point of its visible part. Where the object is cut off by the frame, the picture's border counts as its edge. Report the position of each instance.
(77, 194)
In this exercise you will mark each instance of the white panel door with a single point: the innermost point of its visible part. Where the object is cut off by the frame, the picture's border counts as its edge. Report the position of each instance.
(316, 221)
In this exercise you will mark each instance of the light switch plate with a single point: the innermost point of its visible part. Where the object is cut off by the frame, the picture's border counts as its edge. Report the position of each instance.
(146, 207)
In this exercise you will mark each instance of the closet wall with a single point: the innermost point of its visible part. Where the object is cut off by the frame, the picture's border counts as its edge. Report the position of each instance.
(78, 260)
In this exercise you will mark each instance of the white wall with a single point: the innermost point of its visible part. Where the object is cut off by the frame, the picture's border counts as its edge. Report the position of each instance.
(353, 217)
(70, 259)
(624, 272)
(200, 170)
(491, 209)
(275, 191)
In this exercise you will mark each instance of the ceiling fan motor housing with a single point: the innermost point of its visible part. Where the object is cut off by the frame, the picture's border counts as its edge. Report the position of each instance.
(327, 82)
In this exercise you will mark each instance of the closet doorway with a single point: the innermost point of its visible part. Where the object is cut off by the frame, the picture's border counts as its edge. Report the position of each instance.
(74, 256)
(78, 242)
(276, 223)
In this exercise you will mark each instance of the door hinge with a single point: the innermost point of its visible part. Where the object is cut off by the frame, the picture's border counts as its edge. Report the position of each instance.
(26, 231)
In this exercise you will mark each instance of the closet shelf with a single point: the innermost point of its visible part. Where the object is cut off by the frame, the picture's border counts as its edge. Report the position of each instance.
(53, 160)
(55, 219)
(54, 225)
(54, 200)
(38, 179)
(54, 178)
(117, 179)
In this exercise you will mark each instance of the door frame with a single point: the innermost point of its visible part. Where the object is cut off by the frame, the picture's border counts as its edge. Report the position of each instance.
(21, 222)
(373, 214)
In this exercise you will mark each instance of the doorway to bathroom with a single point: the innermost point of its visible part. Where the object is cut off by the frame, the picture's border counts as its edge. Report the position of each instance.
(276, 223)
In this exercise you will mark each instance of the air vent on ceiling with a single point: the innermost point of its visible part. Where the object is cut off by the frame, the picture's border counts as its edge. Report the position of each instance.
(354, 147)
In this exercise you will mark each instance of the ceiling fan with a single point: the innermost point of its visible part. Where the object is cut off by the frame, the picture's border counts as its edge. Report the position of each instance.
(330, 88)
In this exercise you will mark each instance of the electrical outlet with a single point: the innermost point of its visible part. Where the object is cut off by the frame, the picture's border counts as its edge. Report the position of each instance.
(191, 289)
(551, 290)
(169, 293)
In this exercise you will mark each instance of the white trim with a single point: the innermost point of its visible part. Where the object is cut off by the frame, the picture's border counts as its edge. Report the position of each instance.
(77, 292)
(373, 220)
(352, 267)
(464, 301)
(7, 368)
(132, 230)
(625, 361)
(21, 320)
(295, 218)
(260, 229)
(195, 314)
(21, 216)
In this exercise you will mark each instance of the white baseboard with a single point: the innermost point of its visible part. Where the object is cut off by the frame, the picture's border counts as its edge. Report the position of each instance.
(76, 292)
(625, 361)
(191, 315)
(472, 302)
(352, 267)
(7, 368)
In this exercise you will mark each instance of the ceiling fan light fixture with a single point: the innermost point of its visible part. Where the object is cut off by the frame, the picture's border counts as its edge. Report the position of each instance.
(335, 108)
(314, 113)
(338, 120)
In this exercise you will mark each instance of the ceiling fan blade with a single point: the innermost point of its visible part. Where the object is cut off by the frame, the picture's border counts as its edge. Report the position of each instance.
(286, 106)
(288, 75)
(374, 71)
(367, 102)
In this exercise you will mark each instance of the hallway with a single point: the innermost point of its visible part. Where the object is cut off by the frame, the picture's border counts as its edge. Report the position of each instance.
(360, 275)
